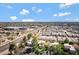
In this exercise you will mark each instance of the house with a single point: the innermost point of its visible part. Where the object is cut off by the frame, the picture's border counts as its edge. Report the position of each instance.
(72, 50)
(76, 46)
(67, 46)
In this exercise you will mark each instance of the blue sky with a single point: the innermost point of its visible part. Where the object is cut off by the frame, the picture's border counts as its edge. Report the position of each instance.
(39, 12)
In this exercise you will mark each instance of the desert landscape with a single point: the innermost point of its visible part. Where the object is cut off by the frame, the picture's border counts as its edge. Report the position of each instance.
(39, 38)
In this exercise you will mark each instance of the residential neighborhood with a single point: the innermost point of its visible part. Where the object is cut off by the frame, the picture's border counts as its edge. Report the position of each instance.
(41, 39)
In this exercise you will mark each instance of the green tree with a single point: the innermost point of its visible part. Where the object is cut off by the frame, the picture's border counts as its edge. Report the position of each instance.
(58, 49)
(24, 39)
(8, 33)
(22, 45)
(35, 40)
(29, 36)
(17, 33)
(66, 41)
(71, 43)
(12, 48)
(38, 51)
(35, 44)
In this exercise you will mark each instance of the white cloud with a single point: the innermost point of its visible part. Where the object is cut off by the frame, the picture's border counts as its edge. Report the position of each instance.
(28, 20)
(55, 14)
(24, 12)
(63, 5)
(76, 19)
(7, 6)
(13, 18)
(33, 8)
(62, 14)
(39, 10)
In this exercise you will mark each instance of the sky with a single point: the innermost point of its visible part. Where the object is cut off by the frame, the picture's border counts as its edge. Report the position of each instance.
(39, 12)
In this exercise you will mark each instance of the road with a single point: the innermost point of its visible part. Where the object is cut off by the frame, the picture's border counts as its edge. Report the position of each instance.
(6, 46)
(17, 40)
